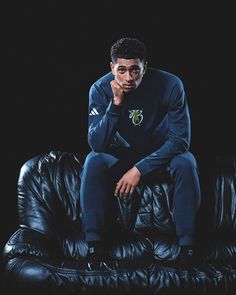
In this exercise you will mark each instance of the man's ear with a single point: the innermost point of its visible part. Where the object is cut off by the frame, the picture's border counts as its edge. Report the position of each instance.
(112, 68)
(145, 68)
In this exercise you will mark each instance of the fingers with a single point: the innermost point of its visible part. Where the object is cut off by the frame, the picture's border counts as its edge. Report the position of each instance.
(117, 190)
(117, 89)
(115, 84)
(123, 189)
(132, 190)
(120, 188)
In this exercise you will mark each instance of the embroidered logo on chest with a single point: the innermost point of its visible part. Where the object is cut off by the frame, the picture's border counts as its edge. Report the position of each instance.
(136, 116)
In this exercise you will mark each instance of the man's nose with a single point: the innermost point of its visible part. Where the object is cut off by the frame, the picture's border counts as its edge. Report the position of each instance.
(128, 76)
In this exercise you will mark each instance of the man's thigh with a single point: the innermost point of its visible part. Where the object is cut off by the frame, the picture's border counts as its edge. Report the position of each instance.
(120, 163)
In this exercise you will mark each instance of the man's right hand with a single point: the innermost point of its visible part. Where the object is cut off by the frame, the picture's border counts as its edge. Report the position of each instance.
(118, 92)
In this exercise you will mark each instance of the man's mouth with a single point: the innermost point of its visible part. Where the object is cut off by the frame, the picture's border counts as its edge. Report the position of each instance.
(129, 86)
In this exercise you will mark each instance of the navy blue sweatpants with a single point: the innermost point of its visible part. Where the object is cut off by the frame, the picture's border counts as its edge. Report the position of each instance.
(101, 172)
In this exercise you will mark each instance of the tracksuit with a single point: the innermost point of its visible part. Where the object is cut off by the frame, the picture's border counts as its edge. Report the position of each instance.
(150, 130)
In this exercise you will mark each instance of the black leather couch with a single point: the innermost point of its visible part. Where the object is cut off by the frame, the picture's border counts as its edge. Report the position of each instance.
(47, 253)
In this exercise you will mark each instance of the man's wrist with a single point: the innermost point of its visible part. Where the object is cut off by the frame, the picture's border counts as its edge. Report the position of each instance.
(117, 101)
(137, 170)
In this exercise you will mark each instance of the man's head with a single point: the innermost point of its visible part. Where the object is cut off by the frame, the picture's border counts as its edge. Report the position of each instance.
(128, 62)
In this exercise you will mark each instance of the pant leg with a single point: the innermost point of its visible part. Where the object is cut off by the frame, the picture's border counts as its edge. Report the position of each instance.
(95, 194)
(187, 196)
(100, 173)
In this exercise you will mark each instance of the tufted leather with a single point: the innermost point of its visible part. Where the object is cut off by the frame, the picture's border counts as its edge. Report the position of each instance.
(48, 250)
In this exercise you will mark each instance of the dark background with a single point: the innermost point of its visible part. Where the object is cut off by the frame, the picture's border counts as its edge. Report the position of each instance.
(54, 51)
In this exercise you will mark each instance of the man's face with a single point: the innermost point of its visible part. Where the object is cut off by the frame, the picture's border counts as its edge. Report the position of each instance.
(128, 73)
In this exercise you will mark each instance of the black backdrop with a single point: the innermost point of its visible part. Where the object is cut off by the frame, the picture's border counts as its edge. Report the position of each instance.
(54, 50)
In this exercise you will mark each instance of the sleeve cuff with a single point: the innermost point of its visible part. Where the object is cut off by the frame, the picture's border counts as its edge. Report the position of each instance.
(143, 167)
(114, 109)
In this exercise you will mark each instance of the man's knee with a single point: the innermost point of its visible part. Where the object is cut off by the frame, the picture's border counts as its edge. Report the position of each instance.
(184, 162)
(93, 161)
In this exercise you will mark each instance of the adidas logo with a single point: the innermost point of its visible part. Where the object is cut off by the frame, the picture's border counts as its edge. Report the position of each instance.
(93, 112)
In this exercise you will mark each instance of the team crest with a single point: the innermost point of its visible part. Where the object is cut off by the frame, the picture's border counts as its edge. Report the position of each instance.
(136, 116)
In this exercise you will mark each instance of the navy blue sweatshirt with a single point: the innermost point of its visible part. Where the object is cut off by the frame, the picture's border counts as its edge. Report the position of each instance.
(152, 122)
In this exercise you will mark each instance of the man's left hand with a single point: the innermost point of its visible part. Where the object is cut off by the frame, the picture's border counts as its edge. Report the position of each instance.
(128, 182)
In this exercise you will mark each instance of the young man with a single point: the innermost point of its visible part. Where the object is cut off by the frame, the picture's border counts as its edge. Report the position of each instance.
(139, 125)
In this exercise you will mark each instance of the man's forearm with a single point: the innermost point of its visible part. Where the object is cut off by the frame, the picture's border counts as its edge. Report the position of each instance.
(101, 133)
(162, 156)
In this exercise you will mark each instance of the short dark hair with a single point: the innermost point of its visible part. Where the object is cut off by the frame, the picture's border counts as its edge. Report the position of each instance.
(128, 48)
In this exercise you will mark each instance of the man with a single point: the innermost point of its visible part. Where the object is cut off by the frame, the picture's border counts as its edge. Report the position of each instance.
(139, 125)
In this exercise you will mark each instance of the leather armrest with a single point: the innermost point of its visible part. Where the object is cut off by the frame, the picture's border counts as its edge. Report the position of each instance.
(30, 242)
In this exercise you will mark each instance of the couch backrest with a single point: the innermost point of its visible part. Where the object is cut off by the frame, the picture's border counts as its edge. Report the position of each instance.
(48, 193)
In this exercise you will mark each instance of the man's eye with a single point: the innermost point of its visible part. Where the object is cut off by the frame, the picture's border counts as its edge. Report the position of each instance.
(121, 70)
(136, 70)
